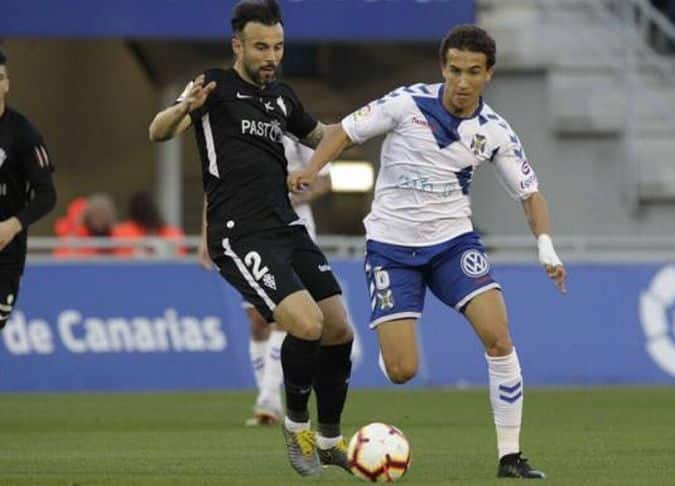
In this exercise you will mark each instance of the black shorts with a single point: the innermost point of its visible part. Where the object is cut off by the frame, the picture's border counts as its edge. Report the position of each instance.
(9, 290)
(267, 267)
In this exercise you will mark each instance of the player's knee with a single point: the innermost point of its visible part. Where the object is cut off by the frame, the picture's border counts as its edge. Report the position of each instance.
(344, 333)
(309, 332)
(309, 325)
(401, 372)
(500, 346)
(336, 332)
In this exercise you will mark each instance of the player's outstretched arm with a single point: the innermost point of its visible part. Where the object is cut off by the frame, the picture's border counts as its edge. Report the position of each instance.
(334, 141)
(536, 211)
(176, 119)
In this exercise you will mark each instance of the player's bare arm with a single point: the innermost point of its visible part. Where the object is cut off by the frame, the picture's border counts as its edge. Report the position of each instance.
(175, 120)
(335, 140)
(536, 211)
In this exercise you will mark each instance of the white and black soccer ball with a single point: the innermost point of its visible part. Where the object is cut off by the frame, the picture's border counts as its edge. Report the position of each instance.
(379, 453)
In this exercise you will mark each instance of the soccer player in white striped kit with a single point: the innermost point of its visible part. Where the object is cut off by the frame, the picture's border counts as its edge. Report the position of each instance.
(419, 230)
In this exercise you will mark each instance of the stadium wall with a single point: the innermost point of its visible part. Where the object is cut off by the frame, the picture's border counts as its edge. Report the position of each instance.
(583, 177)
(207, 19)
(140, 327)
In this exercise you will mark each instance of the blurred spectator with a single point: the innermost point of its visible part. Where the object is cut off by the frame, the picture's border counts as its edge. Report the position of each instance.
(99, 216)
(94, 216)
(71, 223)
(146, 221)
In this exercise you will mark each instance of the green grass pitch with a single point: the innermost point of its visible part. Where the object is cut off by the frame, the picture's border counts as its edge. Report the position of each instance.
(617, 436)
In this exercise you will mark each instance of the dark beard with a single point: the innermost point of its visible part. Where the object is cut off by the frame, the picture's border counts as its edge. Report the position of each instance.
(257, 78)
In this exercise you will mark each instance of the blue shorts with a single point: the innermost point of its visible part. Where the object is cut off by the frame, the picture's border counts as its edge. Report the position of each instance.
(397, 276)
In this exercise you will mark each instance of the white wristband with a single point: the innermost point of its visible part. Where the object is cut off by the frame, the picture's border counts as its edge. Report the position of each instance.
(547, 254)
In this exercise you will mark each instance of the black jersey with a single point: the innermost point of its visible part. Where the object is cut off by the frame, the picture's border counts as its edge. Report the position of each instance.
(26, 187)
(239, 131)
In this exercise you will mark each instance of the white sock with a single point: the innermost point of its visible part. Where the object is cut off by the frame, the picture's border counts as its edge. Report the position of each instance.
(257, 351)
(295, 426)
(327, 442)
(273, 376)
(506, 397)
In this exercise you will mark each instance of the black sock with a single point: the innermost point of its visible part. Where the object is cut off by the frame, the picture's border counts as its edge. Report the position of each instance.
(299, 362)
(330, 384)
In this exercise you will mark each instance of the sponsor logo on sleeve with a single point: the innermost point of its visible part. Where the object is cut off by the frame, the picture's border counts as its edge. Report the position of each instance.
(362, 113)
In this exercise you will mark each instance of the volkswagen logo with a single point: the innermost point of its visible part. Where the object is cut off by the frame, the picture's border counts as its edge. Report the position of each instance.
(474, 264)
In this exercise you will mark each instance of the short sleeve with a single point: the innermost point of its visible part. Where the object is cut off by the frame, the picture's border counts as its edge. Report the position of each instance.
(210, 75)
(299, 122)
(376, 118)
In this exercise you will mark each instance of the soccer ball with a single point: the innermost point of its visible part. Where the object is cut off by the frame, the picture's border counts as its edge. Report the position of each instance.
(379, 453)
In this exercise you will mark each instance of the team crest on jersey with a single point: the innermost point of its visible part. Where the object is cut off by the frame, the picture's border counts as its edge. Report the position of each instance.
(479, 145)
(474, 264)
(3, 156)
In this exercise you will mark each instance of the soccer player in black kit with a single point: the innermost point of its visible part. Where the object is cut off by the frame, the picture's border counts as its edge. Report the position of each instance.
(254, 236)
(26, 192)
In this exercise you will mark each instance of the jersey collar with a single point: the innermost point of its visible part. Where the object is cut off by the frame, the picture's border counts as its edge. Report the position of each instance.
(459, 118)
(252, 88)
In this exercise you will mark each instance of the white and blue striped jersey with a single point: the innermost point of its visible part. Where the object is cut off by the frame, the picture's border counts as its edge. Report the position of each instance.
(427, 163)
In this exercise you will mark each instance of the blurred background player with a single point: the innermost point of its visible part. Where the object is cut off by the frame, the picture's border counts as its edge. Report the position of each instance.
(266, 339)
(255, 238)
(26, 192)
(419, 231)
